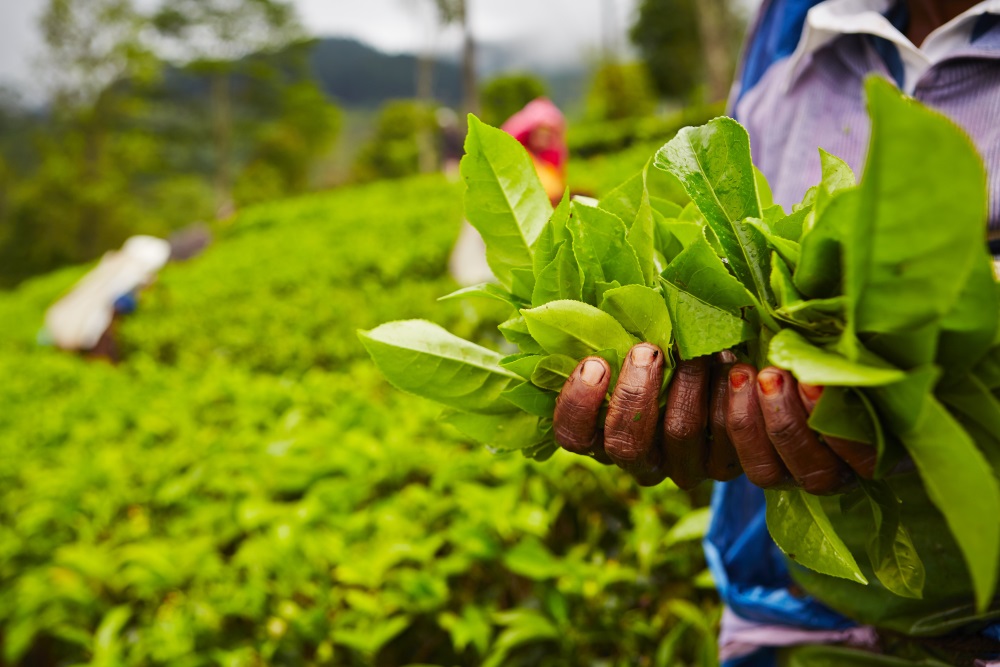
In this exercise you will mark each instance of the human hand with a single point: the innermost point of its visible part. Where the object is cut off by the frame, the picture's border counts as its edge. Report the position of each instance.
(721, 419)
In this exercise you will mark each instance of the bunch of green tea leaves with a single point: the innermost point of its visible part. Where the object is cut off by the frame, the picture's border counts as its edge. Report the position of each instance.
(882, 292)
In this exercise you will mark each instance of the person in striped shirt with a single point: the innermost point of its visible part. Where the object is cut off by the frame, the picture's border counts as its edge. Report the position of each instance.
(799, 88)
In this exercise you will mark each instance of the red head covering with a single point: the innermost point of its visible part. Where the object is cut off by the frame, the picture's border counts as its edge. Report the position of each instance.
(540, 113)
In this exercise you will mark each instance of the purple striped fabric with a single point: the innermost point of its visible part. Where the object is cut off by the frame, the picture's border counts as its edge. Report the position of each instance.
(824, 108)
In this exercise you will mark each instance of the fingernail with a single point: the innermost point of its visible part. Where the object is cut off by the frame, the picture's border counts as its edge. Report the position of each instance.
(592, 372)
(770, 383)
(727, 357)
(812, 392)
(738, 379)
(644, 355)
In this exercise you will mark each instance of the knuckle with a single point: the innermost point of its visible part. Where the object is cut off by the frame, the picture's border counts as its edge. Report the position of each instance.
(685, 421)
(787, 431)
(630, 397)
(741, 427)
(626, 447)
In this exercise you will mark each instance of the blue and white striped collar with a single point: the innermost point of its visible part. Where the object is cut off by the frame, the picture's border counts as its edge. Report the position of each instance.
(830, 19)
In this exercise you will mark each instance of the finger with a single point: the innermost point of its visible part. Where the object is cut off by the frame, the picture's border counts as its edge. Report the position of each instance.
(723, 463)
(813, 465)
(860, 456)
(578, 405)
(686, 422)
(633, 415)
(746, 428)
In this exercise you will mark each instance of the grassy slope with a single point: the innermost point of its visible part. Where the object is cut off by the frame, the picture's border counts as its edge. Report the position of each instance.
(245, 490)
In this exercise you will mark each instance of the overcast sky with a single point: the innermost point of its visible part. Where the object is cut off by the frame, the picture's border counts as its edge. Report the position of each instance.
(556, 32)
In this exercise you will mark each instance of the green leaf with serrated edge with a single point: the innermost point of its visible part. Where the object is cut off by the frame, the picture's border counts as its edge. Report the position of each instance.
(785, 294)
(642, 312)
(561, 279)
(602, 250)
(815, 365)
(966, 394)
(818, 273)
(900, 404)
(845, 413)
(504, 200)
(541, 452)
(668, 244)
(969, 328)
(893, 557)
(713, 164)
(837, 176)
(673, 236)
(531, 399)
(701, 328)
(789, 250)
(522, 283)
(898, 286)
(689, 214)
(508, 432)
(486, 291)
(786, 226)
(624, 200)
(601, 288)
(523, 363)
(642, 235)
(699, 272)
(825, 316)
(424, 359)
(553, 371)
(958, 477)
(763, 188)
(515, 330)
(576, 329)
(667, 209)
(554, 233)
(802, 530)
(906, 349)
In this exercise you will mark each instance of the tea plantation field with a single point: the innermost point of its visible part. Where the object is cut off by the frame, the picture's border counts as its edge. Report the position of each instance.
(245, 490)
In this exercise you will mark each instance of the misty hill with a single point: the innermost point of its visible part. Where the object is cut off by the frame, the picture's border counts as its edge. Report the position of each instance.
(357, 75)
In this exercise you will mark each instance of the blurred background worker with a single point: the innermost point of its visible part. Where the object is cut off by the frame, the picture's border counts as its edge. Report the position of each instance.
(541, 128)
(84, 319)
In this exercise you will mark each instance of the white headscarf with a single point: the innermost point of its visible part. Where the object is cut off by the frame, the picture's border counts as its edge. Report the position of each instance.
(77, 321)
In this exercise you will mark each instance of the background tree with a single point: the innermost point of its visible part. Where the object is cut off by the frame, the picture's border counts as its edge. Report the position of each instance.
(620, 90)
(69, 200)
(457, 11)
(215, 35)
(394, 150)
(687, 44)
(503, 96)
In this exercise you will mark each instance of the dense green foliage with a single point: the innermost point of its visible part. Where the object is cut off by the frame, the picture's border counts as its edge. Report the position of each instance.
(394, 149)
(244, 489)
(619, 91)
(859, 289)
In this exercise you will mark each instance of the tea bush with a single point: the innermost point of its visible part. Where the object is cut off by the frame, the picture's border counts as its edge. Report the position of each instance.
(245, 490)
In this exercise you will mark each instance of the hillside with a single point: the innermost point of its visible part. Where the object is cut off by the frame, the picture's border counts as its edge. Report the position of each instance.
(245, 490)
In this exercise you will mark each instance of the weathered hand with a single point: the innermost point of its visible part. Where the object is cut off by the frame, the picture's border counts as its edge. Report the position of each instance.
(680, 447)
(767, 423)
(721, 419)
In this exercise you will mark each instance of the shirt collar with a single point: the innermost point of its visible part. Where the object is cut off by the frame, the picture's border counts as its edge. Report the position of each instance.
(832, 18)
